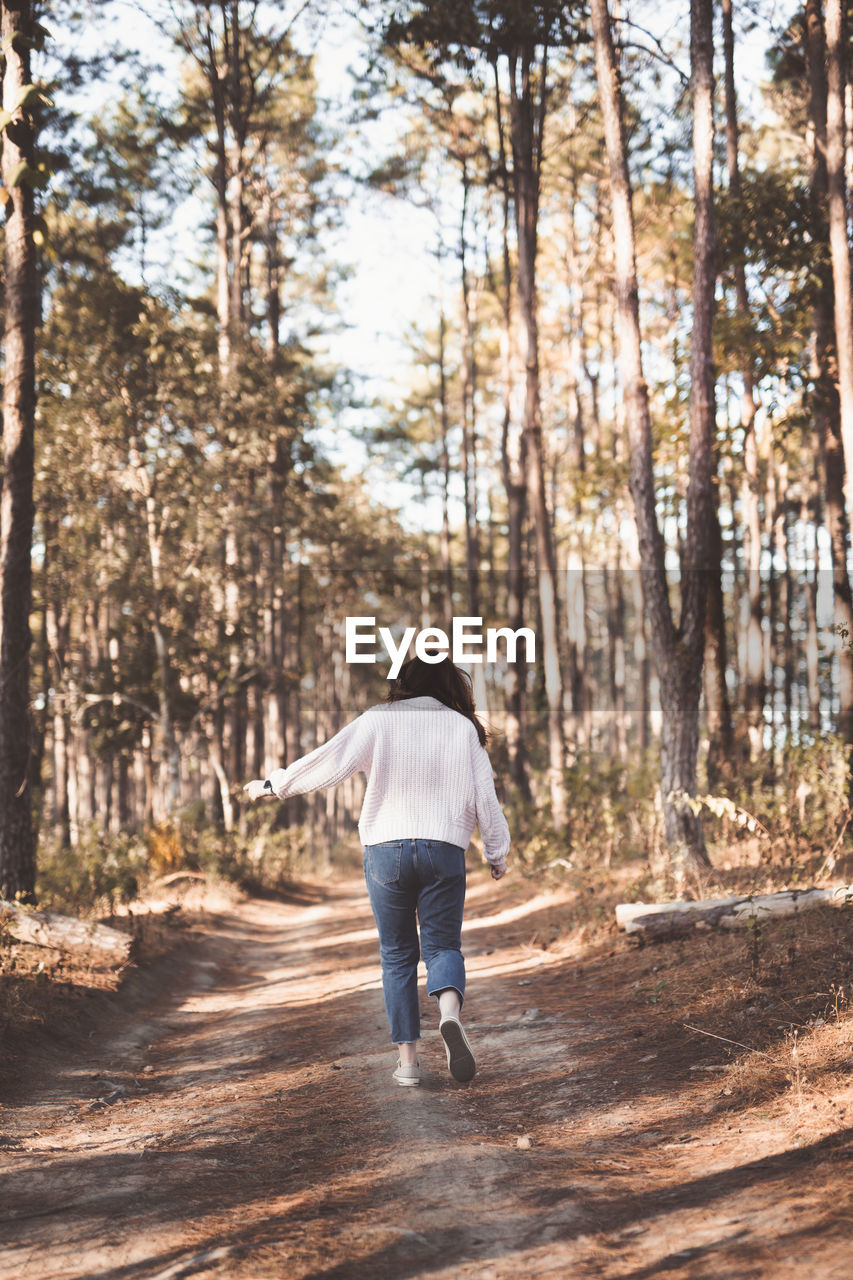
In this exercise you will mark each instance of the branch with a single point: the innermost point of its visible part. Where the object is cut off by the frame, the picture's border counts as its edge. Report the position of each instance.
(117, 699)
(658, 53)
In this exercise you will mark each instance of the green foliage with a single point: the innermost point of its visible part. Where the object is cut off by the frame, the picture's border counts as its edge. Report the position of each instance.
(796, 809)
(722, 807)
(475, 29)
(98, 874)
(264, 862)
(612, 818)
(769, 229)
(102, 872)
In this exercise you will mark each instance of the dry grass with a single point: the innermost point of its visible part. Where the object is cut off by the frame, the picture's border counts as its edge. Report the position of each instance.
(771, 1005)
(40, 986)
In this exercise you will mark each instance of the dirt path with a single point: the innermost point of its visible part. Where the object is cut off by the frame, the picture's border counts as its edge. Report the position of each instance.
(240, 1121)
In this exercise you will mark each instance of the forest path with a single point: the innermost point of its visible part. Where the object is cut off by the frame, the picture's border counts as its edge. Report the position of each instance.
(241, 1121)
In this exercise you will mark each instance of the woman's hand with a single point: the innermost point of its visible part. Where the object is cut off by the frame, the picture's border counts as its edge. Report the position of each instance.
(499, 871)
(257, 789)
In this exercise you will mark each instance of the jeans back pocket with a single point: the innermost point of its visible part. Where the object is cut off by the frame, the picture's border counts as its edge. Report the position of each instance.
(382, 862)
(447, 860)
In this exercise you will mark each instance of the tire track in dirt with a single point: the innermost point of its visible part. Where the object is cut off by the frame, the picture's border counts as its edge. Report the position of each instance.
(244, 1124)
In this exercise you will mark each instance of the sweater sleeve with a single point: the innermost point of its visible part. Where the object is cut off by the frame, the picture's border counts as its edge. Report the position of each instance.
(325, 766)
(490, 818)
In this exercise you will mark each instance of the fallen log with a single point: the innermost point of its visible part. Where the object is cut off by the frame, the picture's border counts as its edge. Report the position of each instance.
(64, 933)
(176, 877)
(673, 919)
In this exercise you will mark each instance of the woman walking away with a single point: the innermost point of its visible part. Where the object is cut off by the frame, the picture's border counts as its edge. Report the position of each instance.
(429, 782)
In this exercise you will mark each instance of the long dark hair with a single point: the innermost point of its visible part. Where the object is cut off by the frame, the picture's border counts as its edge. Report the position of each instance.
(442, 681)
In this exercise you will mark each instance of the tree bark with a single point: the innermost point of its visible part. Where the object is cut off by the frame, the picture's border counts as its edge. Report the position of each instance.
(838, 240)
(56, 643)
(46, 929)
(208, 63)
(717, 707)
(513, 468)
(238, 115)
(17, 845)
(167, 796)
(809, 521)
(444, 426)
(468, 389)
(754, 690)
(678, 653)
(825, 392)
(526, 141)
(700, 493)
(576, 572)
(673, 919)
(614, 590)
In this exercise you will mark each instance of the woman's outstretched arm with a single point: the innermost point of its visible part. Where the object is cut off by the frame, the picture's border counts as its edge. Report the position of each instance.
(325, 766)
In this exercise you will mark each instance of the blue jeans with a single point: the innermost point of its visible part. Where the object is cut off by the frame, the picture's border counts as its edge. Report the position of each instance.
(424, 879)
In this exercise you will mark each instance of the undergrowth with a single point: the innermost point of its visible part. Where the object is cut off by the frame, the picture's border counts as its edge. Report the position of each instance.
(101, 873)
(779, 823)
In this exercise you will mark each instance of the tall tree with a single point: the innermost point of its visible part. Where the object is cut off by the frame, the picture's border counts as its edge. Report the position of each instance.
(825, 390)
(513, 470)
(515, 41)
(678, 649)
(749, 489)
(17, 852)
(839, 244)
(527, 107)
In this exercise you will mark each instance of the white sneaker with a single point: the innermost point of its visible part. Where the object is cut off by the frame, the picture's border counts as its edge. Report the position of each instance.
(460, 1056)
(407, 1073)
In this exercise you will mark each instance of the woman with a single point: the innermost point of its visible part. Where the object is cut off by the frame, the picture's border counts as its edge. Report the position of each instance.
(429, 782)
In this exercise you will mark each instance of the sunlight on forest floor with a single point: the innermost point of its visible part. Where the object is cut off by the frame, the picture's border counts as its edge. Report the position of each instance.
(631, 1100)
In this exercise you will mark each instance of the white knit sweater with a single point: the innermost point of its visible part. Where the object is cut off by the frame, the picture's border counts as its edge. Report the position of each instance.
(427, 776)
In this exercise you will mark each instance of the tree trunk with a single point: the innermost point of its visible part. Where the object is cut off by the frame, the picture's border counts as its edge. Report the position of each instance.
(673, 919)
(749, 494)
(167, 797)
(576, 577)
(64, 933)
(678, 654)
(223, 70)
(827, 408)
(810, 484)
(467, 453)
(444, 425)
(55, 636)
(717, 708)
(209, 65)
(783, 551)
(526, 139)
(700, 492)
(838, 240)
(214, 751)
(753, 665)
(292, 623)
(513, 469)
(237, 112)
(17, 845)
(273, 280)
(771, 515)
(272, 566)
(615, 594)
